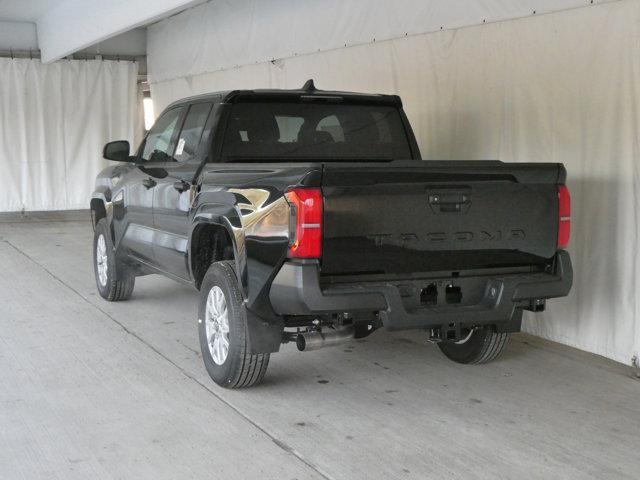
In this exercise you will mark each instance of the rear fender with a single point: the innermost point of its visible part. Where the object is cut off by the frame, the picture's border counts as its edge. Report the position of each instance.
(264, 328)
(225, 216)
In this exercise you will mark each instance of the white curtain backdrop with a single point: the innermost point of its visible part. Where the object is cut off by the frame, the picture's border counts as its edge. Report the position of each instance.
(233, 33)
(561, 87)
(54, 121)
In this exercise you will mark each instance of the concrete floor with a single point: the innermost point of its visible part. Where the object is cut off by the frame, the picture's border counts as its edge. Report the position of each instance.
(91, 389)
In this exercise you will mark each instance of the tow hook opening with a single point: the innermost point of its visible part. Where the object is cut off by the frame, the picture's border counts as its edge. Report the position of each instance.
(453, 294)
(429, 295)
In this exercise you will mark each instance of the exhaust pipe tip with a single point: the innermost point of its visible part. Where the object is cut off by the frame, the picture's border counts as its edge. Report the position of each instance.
(316, 340)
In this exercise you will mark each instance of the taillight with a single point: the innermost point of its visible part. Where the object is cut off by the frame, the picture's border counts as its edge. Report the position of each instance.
(564, 216)
(305, 238)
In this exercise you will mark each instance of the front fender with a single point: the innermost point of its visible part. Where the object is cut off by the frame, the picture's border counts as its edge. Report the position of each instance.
(103, 193)
(101, 197)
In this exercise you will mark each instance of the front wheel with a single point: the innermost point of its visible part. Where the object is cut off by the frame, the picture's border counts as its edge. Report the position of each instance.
(481, 345)
(222, 327)
(113, 279)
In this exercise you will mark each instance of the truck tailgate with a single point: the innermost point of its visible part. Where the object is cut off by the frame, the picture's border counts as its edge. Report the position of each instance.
(411, 216)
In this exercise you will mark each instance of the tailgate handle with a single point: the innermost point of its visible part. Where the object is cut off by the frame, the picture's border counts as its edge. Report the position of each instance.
(448, 202)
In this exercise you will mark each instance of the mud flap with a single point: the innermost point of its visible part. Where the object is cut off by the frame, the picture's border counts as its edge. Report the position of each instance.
(513, 325)
(263, 336)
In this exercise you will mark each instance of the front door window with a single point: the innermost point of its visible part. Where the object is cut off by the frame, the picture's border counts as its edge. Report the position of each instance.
(158, 146)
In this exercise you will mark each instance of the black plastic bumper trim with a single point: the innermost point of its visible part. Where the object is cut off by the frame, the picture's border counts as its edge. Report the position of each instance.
(296, 290)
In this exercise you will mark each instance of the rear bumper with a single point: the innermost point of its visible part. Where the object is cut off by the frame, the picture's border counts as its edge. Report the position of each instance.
(486, 299)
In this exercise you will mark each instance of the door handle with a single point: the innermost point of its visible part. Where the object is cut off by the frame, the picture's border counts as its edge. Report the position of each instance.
(181, 186)
(149, 183)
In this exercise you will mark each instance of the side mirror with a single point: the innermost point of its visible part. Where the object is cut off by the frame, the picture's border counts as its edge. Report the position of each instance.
(117, 151)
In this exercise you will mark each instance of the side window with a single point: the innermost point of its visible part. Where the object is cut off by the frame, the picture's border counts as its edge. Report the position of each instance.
(331, 125)
(289, 128)
(191, 132)
(158, 146)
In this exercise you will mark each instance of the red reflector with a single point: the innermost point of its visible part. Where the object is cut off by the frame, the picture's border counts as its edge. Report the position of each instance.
(306, 222)
(564, 216)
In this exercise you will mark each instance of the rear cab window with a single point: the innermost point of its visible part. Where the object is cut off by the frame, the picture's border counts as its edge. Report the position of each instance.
(308, 131)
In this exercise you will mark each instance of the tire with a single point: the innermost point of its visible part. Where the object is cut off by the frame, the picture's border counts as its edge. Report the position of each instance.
(115, 282)
(220, 299)
(482, 346)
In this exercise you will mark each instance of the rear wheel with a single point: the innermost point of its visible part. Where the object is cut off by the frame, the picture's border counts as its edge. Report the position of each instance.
(222, 327)
(114, 281)
(481, 345)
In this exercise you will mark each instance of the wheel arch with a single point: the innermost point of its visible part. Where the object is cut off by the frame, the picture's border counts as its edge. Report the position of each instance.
(212, 240)
(101, 207)
(98, 209)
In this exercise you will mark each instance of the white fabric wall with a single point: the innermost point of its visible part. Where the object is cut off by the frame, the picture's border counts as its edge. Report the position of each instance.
(54, 121)
(562, 87)
(232, 33)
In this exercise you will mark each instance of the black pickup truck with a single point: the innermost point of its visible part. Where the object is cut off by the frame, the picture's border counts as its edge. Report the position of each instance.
(307, 216)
